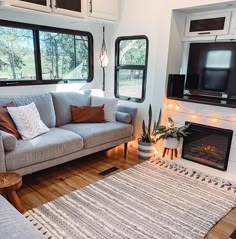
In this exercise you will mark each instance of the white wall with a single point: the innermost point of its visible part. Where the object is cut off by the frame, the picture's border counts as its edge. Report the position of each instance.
(153, 19)
(215, 116)
(62, 22)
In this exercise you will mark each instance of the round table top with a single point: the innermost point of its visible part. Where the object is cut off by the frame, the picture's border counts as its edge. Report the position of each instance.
(10, 182)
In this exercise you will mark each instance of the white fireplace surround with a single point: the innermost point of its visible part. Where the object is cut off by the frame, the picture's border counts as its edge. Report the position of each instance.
(216, 116)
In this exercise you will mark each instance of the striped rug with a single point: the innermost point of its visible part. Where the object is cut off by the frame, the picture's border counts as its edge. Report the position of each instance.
(156, 199)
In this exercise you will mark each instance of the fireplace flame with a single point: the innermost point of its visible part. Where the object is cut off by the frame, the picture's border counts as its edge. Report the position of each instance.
(209, 148)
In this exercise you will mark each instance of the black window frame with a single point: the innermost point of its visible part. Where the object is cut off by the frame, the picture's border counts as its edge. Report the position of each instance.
(38, 67)
(130, 67)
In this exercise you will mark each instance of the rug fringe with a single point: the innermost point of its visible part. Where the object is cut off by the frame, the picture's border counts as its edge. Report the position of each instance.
(217, 182)
(38, 226)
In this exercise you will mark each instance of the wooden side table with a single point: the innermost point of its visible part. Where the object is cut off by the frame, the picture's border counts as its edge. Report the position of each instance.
(9, 183)
(172, 152)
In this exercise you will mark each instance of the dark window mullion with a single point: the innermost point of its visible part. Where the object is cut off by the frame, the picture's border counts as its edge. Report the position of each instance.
(37, 56)
(144, 83)
(131, 67)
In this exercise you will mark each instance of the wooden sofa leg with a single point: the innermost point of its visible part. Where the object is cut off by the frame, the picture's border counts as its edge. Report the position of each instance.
(125, 149)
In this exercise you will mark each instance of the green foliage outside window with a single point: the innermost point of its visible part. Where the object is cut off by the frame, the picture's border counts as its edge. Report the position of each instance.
(33, 54)
(131, 67)
(16, 54)
(63, 56)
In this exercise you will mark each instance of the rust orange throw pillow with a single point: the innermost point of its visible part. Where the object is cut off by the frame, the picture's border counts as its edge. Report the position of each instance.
(6, 123)
(87, 114)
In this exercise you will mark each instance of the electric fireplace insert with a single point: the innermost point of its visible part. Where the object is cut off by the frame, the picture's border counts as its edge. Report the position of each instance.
(208, 145)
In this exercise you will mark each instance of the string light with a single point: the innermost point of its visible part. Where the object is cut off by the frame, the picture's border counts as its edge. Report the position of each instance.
(214, 120)
(156, 152)
(194, 115)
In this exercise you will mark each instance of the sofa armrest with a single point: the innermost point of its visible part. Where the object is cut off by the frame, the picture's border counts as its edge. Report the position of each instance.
(13, 225)
(2, 156)
(130, 110)
(9, 141)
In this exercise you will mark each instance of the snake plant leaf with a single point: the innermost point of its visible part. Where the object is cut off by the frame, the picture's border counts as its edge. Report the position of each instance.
(159, 118)
(149, 119)
(144, 127)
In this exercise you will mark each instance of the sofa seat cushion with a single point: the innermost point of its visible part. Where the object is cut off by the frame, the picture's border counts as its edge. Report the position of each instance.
(55, 143)
(95, 134)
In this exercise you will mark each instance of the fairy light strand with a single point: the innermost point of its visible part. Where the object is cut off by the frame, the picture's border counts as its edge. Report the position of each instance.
(194, 115)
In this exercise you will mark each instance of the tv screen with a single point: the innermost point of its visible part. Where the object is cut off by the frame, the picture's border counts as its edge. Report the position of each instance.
(212, 67)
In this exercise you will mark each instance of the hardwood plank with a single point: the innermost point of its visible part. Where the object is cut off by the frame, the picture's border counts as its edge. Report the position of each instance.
(49, 184)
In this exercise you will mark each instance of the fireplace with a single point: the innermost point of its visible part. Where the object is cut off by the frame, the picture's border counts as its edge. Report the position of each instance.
(208, 145)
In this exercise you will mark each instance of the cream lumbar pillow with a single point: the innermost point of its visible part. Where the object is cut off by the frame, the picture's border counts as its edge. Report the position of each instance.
(110, 106)
(27, 121)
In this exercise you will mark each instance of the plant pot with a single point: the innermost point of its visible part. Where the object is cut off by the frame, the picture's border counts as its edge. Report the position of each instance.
(171, 143)
(145, 150)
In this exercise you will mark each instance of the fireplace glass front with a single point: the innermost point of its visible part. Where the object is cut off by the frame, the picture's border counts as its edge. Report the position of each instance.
(208, 145)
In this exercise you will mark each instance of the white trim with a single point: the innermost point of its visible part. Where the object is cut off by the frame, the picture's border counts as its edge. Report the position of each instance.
(208, 15)
(33, 6)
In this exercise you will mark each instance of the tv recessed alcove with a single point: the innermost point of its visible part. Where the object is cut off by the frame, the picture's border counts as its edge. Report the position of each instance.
(208, 145)
(210, 74)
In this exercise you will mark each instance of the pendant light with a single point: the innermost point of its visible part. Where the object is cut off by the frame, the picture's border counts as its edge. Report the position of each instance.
(103, 58)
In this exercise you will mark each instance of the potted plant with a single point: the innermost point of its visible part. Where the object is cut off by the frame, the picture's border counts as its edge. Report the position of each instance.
(170, 134)
(148, 139)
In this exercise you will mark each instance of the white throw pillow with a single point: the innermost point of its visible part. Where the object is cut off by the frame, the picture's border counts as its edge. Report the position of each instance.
(27, 121)
(109, 108)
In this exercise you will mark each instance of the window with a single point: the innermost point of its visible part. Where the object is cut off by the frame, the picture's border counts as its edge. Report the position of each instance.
(63, 56)
(17, 60)
(31, 54)
(131, 68)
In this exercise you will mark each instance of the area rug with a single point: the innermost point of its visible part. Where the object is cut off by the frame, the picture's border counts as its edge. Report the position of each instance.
(156, 199)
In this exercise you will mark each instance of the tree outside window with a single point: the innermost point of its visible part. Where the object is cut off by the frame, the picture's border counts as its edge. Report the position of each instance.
(131, 68)
(31, 54)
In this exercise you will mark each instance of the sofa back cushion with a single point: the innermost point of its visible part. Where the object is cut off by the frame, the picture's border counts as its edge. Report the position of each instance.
(43, 103)
(62, 102)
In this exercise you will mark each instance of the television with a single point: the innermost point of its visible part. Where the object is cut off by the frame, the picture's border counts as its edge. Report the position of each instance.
(212, 67)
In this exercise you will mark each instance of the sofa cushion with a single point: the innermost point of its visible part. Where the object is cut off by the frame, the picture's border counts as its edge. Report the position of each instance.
(123, 117)
(13, 225)
(27, 121)
(55, 143)
(109, 108)
(87, 114)
(43, 103)
(62, 102)
(95, 134)
(6, 123)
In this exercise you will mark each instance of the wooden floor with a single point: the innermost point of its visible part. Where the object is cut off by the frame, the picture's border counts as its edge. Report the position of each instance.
(49, 184)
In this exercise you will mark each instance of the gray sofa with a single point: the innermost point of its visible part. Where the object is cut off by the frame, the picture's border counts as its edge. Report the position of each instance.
(65, 141)
(13, 225)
